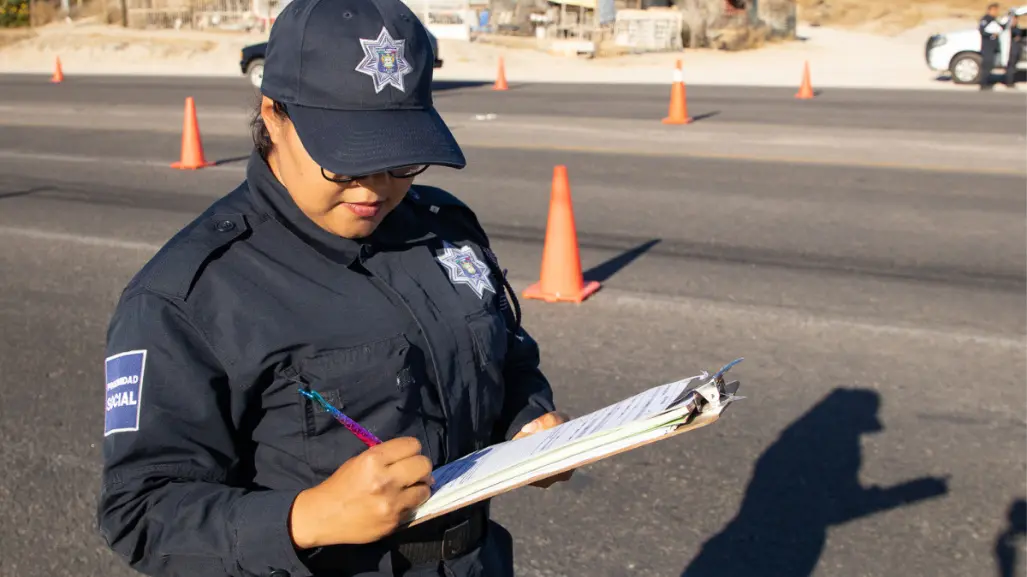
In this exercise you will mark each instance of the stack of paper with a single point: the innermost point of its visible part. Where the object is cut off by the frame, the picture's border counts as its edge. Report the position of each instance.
(635, 421)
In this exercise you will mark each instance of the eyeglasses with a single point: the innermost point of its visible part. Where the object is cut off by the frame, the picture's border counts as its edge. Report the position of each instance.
(408, 171)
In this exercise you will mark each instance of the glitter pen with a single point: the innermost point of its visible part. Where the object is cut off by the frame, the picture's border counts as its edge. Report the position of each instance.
(363, 434)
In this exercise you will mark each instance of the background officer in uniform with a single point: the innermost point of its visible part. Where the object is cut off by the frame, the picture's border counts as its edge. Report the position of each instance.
(990, 30)
(325, 272)
(1016, 41)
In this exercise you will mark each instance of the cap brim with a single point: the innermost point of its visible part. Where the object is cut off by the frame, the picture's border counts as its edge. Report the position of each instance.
(354, 143)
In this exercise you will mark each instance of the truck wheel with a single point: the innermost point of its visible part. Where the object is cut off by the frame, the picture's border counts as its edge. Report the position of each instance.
(255, 72)
(966, 68)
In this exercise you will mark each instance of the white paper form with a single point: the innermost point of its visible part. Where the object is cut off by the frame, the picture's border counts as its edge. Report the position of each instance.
(491, 460)
(631, 423)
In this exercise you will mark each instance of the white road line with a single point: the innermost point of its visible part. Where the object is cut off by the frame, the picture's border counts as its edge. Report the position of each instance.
(37, 234)
(685, 306)
(106, 160)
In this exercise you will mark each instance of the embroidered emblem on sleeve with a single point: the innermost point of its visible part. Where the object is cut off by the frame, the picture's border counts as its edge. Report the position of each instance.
(124, 376)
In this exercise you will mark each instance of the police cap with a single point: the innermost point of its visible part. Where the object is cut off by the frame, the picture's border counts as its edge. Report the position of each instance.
(355, 77)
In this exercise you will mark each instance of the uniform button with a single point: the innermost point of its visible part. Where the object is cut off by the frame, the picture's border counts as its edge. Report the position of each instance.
(225, 226)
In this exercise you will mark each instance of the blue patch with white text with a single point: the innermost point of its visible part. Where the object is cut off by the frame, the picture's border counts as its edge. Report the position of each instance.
(124, 391)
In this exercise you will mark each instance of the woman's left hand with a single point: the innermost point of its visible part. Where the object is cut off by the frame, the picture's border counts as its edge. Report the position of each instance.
(547, 421)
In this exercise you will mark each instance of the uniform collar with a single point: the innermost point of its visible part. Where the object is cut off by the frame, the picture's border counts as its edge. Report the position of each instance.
(403, 226)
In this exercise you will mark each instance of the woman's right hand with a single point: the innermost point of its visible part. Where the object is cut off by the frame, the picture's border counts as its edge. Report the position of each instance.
(365, 499)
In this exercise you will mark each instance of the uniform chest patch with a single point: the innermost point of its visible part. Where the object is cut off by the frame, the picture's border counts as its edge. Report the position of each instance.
(464, 267)
(124, 375)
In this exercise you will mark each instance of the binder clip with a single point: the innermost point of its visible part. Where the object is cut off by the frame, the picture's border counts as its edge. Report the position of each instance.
(714, 394)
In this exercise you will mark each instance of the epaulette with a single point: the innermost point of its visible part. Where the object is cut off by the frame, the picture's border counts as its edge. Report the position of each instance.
(444, 204)
(180, 262)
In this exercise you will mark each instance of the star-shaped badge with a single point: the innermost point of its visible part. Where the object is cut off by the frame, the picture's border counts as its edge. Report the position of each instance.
(384, 62)
(465, 267)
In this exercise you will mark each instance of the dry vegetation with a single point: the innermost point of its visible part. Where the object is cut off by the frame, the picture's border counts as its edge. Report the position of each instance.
(894, 15)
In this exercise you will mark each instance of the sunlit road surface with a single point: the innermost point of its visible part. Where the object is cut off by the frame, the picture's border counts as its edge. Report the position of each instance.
(864, 251)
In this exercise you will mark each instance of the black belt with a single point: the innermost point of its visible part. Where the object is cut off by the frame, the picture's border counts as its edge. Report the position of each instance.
(429, 543)
(440, 539)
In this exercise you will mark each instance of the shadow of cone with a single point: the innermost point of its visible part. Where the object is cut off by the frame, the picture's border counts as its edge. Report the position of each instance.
(192, 148)
(806, 88)
(58, 74)
(677, 113)
(501, 77)
(561, 278)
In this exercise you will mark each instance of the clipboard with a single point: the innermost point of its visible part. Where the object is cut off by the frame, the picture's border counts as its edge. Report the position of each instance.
(702, 402)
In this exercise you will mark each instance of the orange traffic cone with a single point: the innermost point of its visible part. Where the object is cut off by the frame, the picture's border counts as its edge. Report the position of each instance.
(806, 88)
(192, 147)
(561, 278)
(678, 111)
(500, 77)
(58, 74)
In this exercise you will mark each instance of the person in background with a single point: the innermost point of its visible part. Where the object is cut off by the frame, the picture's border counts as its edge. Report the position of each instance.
(990, 30)
(1016, 40)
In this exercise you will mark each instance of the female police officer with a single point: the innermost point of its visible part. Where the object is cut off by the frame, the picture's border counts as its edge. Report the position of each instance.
(326, 272)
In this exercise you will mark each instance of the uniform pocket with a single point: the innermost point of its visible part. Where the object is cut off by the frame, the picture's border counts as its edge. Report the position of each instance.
(489, 338)
(377, 384)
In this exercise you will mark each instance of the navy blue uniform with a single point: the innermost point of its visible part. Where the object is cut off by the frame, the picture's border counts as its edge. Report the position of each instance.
(207, 437)
(1016, 40)
(989, 29)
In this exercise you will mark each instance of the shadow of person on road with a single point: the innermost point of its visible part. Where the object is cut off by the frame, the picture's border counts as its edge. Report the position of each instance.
(804, 483)
(1005, 545)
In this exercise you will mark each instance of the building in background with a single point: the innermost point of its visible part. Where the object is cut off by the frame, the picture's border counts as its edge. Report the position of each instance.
(644, 25)
(573, 27)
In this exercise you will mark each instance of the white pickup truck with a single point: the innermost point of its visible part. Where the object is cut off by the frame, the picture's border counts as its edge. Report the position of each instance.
(959, 52)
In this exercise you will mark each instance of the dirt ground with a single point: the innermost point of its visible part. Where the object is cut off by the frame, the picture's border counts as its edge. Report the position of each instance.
(888, 15)
(14, 35)
(849, 43)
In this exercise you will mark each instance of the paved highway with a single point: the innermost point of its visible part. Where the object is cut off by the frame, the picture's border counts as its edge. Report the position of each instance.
(841, 108)
(880, 306)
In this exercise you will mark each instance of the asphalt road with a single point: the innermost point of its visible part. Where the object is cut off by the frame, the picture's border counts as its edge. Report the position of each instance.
(998, 112)
(881, 312)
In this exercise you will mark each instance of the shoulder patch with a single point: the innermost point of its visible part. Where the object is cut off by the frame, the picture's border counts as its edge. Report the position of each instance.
(186, 255)
(124, 375)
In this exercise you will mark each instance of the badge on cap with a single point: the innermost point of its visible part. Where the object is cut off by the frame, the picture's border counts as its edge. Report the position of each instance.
(466, 268)
(384, 62)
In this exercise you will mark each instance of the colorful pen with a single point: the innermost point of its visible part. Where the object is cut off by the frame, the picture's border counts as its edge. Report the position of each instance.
(363, 434)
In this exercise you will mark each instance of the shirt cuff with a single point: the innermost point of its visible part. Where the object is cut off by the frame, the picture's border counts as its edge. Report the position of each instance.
(527, 415)
(262, 541)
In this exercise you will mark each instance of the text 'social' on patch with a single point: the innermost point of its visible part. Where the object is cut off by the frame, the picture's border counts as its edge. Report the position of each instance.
(124, 391)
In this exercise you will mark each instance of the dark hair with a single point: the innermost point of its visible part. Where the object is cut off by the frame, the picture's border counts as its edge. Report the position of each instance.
(993, 5)
(261, 137)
